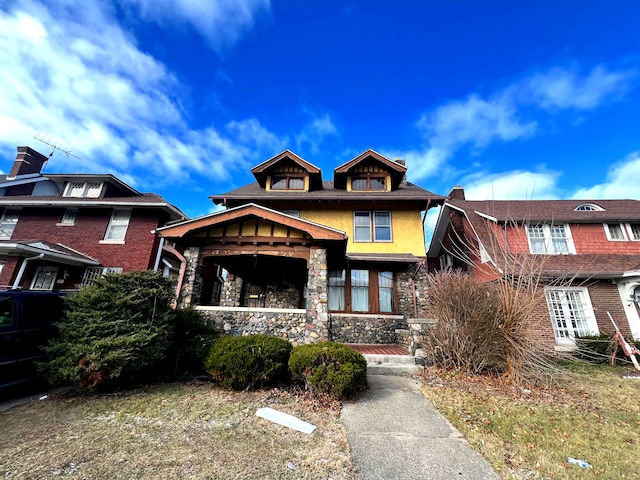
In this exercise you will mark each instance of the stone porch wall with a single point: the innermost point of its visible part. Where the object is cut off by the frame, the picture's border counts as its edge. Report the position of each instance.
(290, 324)
(364, 328)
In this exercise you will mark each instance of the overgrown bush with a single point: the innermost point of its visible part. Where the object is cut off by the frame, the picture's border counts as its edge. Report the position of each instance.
(466, 335)
(191, 342)
(597, 348)
(241, 363)
(116, 331)
(330, 368)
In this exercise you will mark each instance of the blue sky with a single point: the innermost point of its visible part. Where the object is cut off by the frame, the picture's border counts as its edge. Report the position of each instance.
(510, 99)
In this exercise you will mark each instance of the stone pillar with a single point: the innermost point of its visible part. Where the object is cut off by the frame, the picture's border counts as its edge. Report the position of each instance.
(231, 290)
(316, 301)
(192, 282)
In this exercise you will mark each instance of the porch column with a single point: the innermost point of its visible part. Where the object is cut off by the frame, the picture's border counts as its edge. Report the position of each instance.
(316, 301)
(192, 283)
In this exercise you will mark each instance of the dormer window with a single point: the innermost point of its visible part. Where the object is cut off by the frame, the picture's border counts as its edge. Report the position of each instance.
(83, 189)
(589, 207)
(282, 182)
(368, 183)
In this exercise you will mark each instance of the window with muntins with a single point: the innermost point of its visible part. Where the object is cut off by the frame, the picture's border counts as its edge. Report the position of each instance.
(571, 313)
(372, 225)
(91, 274)
(550, 239)
(83, 189)
(615, 231)
(8, 222)
(69, 216)
(117, 229)
(634, 231)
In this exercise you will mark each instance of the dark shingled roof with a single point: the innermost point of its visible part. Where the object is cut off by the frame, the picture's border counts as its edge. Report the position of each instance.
(253, 192)
(552, 210)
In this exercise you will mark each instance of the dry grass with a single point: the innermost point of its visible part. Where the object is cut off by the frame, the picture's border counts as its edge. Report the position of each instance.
(172, 431)
(529, 433)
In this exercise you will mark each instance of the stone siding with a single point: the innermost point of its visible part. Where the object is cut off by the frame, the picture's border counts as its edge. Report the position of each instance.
(316, 302)
(414, 277)
(192, 285)
(365, 328)
(291, 325)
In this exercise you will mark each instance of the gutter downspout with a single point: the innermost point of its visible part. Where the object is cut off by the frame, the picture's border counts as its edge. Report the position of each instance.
(183, 269)
(159, 255)
(23, 267)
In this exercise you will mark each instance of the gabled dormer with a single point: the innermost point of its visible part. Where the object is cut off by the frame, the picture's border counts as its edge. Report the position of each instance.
(370, 172)
(288, 172)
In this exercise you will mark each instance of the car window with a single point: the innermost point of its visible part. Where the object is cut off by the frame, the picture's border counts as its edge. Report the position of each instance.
(7, 318)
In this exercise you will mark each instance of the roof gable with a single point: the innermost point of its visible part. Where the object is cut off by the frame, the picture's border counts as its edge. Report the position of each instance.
(287, 159)
(247, 223)
(370, 157)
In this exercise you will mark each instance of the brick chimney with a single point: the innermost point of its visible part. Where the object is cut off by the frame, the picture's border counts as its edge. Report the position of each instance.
(457, 193)
(27, 161)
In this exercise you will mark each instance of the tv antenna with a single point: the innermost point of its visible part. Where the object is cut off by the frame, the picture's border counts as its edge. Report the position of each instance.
(54, 144)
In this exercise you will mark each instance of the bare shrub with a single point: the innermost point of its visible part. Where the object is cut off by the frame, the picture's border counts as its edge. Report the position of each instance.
(463, 337)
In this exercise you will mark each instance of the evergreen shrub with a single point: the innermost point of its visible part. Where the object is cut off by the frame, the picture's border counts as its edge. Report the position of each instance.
(331, 368)
(191, 342)
(242, 363)
(116, 331)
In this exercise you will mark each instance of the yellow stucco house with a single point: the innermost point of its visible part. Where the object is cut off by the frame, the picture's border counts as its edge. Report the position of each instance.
(306, 259)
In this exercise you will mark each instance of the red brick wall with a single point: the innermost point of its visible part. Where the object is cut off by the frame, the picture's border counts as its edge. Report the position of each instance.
(605, 298)
(137, 253)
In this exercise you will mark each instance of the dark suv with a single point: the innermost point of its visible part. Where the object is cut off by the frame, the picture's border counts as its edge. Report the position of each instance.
(26, 324)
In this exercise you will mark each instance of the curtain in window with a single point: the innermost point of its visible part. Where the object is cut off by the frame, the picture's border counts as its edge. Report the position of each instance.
(559, 239)
(336, 290)
(360, 290)
(385, 287)
(536, 238)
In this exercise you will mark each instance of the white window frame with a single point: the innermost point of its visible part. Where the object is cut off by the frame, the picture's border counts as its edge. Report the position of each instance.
(632, 236)
(117, 222)
(48, 283)
(91, 274)
(8, 222)
(547, 238)
(623, 232)
(576, 318)
(68, 217)
(446, 261)
(83, 189)
(371, 226)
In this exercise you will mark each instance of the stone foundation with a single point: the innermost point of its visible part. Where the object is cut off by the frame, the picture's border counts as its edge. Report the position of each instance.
(365, 328)
(290, 324)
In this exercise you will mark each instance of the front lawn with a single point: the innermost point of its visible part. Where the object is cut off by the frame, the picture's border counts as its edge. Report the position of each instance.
(528, 433)
(172, 431)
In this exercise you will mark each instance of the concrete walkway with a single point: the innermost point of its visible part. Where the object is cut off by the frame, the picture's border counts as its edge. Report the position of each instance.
(396, 434)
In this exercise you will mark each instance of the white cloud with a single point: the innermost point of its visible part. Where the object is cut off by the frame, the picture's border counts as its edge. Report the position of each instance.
(476, 122)
(221, 22)
(70, 70)
(622, 181)
(561, 88)
(515, 185)
(315, 132)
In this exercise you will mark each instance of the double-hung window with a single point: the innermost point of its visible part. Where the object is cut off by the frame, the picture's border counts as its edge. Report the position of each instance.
(8, 222)
(362, 291)
(117, 229)
(620, 232)
(372, 225)
(550, 239)
(571, 313)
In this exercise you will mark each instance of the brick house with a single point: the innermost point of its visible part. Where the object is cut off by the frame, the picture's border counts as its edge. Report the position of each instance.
(58, 231)
(306, 259)
(587, 253)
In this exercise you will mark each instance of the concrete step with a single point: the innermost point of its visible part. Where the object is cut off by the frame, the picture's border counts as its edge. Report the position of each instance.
(392, 365)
